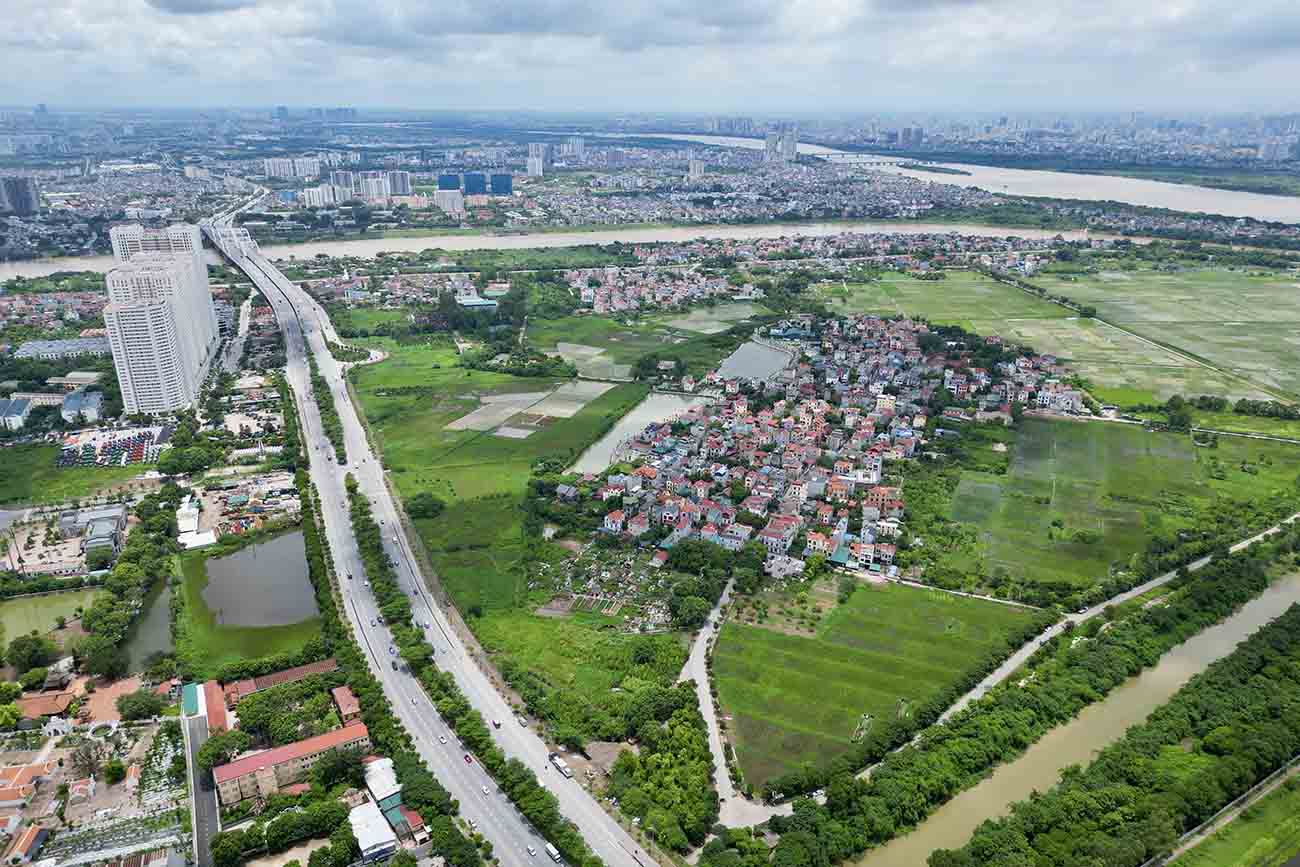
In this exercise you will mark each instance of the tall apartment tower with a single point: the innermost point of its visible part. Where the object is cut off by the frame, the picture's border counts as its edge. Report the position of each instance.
(539, 158)
(790, 144)
(399, 182)
(772, 147)
(161, 324)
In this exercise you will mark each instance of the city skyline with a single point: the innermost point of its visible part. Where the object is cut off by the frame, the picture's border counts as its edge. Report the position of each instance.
(552, 56)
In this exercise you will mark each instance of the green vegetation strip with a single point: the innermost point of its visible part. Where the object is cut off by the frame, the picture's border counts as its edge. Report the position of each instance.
(329, 412)
(520, 784)
(1223, 732)
(1063, 677)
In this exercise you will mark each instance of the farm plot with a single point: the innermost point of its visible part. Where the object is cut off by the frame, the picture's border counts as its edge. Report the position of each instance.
(1242, 321)
(1077, 497)
(792, 699)
(961, 297)
(1080, 497)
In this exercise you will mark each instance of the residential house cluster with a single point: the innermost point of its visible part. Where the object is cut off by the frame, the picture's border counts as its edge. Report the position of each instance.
(798, 462)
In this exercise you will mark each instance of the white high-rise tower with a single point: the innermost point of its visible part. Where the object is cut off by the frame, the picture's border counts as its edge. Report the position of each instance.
(160, 320)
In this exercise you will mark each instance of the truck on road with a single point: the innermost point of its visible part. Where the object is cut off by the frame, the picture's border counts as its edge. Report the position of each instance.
(553, 852)
(561, 765)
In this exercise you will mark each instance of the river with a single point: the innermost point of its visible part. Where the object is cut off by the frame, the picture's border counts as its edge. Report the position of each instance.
(1066, 185)
(367, 247)
(1078, 741)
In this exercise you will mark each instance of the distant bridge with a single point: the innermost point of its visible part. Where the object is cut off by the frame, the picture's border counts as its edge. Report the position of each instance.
(871, 159)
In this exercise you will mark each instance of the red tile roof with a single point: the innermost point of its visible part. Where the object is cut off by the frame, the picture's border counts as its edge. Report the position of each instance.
(289, 675)
(346, 701)
(49, 704)
(330, 740)
(216, 707)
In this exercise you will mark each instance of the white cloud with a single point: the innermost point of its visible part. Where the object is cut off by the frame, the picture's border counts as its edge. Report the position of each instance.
(687, 55)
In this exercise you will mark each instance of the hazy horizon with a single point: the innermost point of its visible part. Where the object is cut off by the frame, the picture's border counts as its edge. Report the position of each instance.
(817, 56)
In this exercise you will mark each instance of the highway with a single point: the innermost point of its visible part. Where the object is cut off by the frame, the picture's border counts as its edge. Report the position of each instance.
(305, 327)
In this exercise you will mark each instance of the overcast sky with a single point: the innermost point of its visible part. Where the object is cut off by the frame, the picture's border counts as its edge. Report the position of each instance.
(636, 55)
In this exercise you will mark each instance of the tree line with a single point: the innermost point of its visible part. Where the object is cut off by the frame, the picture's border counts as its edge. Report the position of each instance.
(1071, 671)
(1222, 733)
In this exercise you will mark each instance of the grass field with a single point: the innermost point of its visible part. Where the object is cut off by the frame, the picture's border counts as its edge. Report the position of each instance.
(363, 318)
(963, 296)
(21, 616)
(205, 645)
(602, 346)
(28, 475)
(1241, 320)
(1266, 834)
(1081, 496)
(408, 402)
(1234, 320)
(795, 699)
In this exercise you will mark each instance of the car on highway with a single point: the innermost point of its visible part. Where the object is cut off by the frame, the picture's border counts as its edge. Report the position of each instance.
(442, 739)
(392, 651)
(349, 576)
(469, 760)
(485, 790)
(532, 851)
(496, 723)
(372, 621)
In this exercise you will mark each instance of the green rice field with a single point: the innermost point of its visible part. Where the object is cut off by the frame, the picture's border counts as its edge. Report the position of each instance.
(793, 699)
(1080, 497)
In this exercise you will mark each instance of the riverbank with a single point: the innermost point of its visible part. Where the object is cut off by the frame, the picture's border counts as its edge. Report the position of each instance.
(569, 237)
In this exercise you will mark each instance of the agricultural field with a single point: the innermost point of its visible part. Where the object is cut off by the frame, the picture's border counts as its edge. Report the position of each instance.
(604, 347)
(1235, 320)
(1080, 497)
(1239, 319)
(1266, 834)
(423, 411)
(28, 476)
(793, 698)
(963, 296)
(41, 613)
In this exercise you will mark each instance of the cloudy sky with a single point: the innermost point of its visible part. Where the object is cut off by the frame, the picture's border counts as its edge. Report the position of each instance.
(673, 55)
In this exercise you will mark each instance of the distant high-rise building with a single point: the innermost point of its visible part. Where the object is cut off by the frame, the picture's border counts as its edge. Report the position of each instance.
(540, 151)
(448, 182)
(450, 201)
(161, 323)
(400, 183)
(475, 183)
(373, 186)
(343, 182)
(306, 167)
(694, 169)
(281, 112)
(19, 196)
(536, 167)
(790, 144)
(319, 197)
(772, 147)
(576, 147)
(502, 184)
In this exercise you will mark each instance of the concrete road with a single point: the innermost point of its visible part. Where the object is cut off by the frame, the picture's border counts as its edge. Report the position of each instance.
(204, 812)
(306, 328)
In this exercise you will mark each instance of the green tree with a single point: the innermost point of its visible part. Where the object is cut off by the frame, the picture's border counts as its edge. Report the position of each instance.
(28, 651)
(222, 747)
(114, 771)
(34, 678)
(141, 704)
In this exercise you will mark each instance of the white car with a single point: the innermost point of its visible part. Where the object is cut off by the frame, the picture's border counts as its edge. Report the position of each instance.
(532, 852)
(442, 739)
(485, 790)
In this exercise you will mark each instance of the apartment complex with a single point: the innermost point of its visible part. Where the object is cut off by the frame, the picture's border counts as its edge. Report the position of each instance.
(162, 327)
(264, 774)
